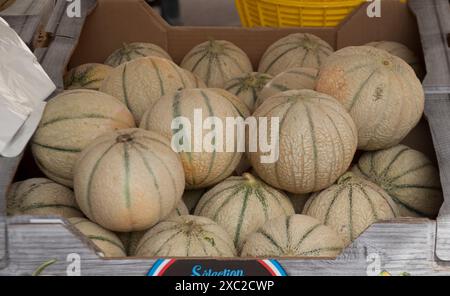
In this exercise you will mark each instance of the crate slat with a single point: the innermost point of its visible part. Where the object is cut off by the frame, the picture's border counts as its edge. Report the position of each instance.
(26, 26)
(28, 16)
(42, 8)
(65, 32)
(433, 17)
(437, 108)
(8, 168)
(399, 246)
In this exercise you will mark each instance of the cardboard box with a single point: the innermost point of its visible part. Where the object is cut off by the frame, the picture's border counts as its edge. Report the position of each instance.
(116, 21)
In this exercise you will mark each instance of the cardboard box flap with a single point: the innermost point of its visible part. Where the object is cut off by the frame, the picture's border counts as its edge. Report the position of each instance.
(115, 22)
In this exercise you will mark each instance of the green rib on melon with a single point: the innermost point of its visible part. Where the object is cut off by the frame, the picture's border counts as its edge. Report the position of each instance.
(132, 51)
(402, 51)
(216, 62)
(243, 204)
(408, 176)
(247, 87)
(71, 121)
(293, 51)
(105, 240)
(128, 180)
(131, 239)
(317, 141)
(41, 197)
(379, 90)
(293, 236)
(186, 236)
(293, 79)
(351, 206)
(202, 168)
(87, 76)
(140, 83)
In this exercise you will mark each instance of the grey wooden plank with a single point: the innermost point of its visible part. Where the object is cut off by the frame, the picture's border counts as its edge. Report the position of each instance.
(401, 246)
(5, 4)
(26, 26)
(437, 108)
(65, 32)
(58, 12)
(40, 53)
(29, 7)
(60, 24)
(433, 17)
(41, 8)
(8, 168)
(3, 240)
(55, 59)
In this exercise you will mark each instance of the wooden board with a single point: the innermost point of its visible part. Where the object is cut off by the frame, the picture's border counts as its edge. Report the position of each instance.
(433, 17)
(5, 4)
(65, 32)
(396, 247)
(434, 23)
(437, 109)
(27, 17)
(42, 8)
(26, 26)
(8, 168)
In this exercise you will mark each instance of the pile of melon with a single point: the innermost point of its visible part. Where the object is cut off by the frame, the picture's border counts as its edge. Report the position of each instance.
(107, 147)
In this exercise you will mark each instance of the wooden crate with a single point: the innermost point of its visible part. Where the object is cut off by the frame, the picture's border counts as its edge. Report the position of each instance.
(415, 246)
(27, 17)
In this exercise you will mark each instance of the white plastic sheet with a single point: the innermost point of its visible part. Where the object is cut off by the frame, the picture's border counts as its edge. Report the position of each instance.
(24, 86)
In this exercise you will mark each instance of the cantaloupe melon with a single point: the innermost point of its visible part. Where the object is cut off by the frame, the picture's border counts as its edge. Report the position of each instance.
(203, 168)
(293, 79)
(293, 51)
(108, 242)
(132, 51)
(70, 122)
(402, 51)
(87, 76)
(141, 82)
(216, 62)
(186, 236)
(351, 206)
(317, 141)
(293, 236)
(180, 210)
(242, 108)
(247, 87)
(131, 239)
(128, 180)
(196, 81)
(381, 92)
(241, 205)
(408, 176)
(11, 198)
(42, 197)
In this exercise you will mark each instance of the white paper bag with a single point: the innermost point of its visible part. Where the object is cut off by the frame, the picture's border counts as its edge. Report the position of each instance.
(24, 85)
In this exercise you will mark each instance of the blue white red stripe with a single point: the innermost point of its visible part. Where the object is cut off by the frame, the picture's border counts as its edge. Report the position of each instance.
(160, 266)
(273, 267)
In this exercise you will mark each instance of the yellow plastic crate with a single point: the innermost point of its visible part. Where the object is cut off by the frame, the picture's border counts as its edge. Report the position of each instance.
(294, 13)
